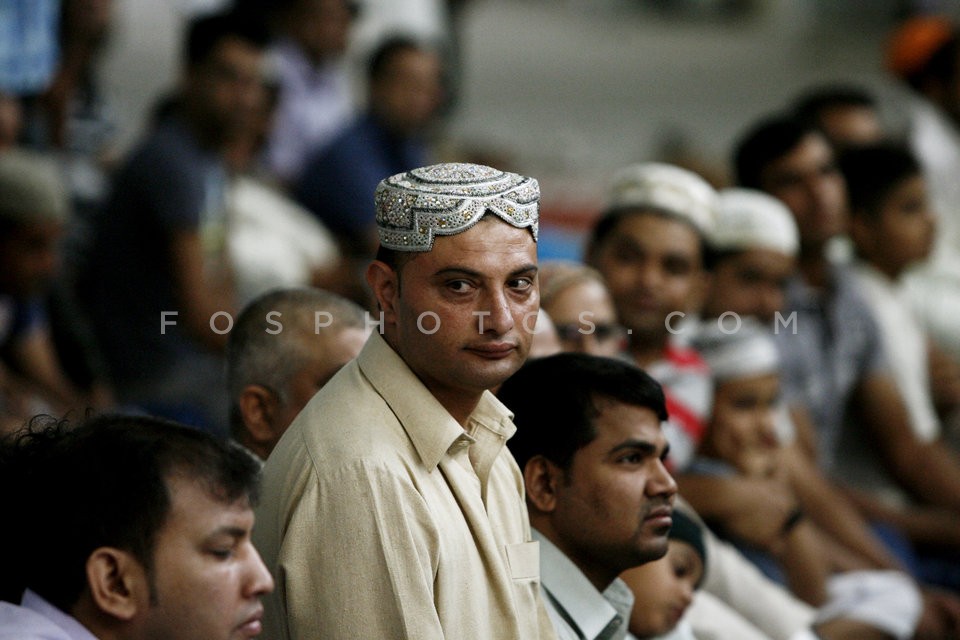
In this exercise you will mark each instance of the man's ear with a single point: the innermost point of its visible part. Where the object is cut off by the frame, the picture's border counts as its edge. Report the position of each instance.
(118, 583)
(385, 284)
(258, 406)
(541, 479)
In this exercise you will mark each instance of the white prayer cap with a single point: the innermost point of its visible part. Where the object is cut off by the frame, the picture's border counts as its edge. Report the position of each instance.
(745, 352)
(447, 199)
(750, 219)
(667, 188)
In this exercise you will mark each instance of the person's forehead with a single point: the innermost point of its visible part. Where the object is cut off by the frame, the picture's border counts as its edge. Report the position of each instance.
(810, 152)
(652, 230)
(489, 240)
(195, 505)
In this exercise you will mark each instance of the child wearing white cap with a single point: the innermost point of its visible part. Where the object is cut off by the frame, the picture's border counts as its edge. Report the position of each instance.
(741, 440)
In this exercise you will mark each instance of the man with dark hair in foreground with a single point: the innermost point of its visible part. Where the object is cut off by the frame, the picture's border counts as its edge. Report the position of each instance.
(127, 528)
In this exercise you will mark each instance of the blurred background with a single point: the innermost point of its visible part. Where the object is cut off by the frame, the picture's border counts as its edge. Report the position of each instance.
(569, 90)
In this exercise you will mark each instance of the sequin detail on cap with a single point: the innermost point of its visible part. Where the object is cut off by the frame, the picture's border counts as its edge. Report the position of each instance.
(447, 199)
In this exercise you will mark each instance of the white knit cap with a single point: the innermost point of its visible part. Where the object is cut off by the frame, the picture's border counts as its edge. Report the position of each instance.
(749, 219)
(734, 350)
(667, 188)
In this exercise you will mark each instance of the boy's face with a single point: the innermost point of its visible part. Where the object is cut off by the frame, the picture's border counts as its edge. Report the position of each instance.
(807, 180)
(743, 427)
(903, 232)
(653, 266)
(750, 283)
(663, 590)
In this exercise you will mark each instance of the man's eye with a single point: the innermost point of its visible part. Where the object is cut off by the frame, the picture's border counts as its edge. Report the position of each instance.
(521, 284)
(222, 554)
(458, 286)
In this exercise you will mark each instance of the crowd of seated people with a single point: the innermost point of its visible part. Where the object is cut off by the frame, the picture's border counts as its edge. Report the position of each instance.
(735, 416)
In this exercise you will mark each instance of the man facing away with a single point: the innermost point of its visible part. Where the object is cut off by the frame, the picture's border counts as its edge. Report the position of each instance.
(392, 507)
(599, 494)
(128, 528)
(286, 345)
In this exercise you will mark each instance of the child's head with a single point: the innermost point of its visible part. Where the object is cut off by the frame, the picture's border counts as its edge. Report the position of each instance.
(891, 225)
(747, 411)
(663, 589)
(754, 244)
(650, 248)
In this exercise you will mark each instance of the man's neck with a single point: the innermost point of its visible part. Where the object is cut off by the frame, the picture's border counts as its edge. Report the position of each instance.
(645, 350)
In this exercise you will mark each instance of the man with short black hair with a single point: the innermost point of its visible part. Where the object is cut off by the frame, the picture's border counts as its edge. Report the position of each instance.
(599, 494)
(128, 527)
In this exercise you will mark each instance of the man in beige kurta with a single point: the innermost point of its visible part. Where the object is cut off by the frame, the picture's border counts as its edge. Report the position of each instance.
(391, 507)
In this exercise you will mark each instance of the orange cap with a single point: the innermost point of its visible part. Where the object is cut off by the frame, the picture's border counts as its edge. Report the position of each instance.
(915, 41)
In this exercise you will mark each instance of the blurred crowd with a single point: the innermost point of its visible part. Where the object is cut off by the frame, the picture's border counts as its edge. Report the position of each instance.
(801, 320)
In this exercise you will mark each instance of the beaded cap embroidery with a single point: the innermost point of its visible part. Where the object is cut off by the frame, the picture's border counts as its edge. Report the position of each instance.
(447, 199)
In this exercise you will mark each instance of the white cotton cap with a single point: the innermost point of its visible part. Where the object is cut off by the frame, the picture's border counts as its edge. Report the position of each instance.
(733, 350)
(750, 219)
(667, 188)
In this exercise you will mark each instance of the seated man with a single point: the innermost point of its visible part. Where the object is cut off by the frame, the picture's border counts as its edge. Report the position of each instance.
(285, 346)
(599, 495)
(159, 519)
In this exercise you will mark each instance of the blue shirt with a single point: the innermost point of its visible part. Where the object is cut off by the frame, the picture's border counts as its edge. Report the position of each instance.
(836, 345)
(29, 49)
(338, 183)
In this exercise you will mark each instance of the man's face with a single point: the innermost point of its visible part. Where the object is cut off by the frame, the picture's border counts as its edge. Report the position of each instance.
(225, 92)
(653, 266)
(808, 181)
(750, 283)
(320, 27)
(613, 505)
(476, 299)
(409, 92)
(29, 258)
(323, 355)
(207, 576)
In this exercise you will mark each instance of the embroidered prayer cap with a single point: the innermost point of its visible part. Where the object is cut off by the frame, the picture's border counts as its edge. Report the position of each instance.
(447, 199)
(667, 188)
(32, 188)
(750, 219)
(734, 350)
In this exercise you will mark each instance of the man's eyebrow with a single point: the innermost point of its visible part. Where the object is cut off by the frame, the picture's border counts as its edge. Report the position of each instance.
(230, 531)
(465, 271)
(647, 447)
